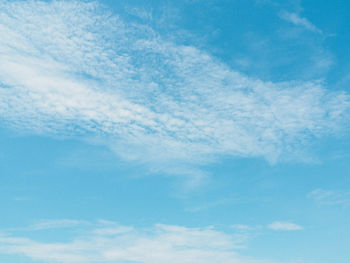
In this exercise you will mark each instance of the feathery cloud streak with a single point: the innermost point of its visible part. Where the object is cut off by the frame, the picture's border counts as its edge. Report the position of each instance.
(110, 242)
(73, 68)
(284, 226)
(299, 21)
(330, 197)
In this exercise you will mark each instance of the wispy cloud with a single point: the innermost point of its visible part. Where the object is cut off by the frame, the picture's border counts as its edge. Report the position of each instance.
(209, 205)
(54, 224)
(51, 224)
(72, 68)
(284, 226)
(111, 228)
(242, 227)
(330, 197)
(157, 244)
(297, 20)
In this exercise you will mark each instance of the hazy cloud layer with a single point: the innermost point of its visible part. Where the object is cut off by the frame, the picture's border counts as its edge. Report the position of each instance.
(110, 242)
(330, 197)
(72, 68)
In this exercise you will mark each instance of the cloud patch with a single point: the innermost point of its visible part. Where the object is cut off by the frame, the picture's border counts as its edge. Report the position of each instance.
(330, 197)
(158, 244)
(284, 226)
(71, 68)
(54, 224)
(297, 20)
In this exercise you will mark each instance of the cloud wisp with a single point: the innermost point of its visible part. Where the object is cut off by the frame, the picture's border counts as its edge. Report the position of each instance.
(74, 69)
(284, 226)
(54, 224)
(110, 242)
(299, 21)
(330, 197)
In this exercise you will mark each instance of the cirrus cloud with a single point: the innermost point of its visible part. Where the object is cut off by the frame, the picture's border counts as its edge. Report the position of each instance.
(330, 197)
(284, 226)
(72, 68)
(157, 244)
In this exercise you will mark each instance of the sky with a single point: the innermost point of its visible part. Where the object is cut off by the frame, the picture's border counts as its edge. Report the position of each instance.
(174, 131)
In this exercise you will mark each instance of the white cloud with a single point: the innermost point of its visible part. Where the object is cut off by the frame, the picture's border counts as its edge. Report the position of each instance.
(70, 68)
(242, 227)
(52, 224)
(330, 197)
(157, 244)
(209, 205)
(299, 21)
(284, 226)
(111, 228)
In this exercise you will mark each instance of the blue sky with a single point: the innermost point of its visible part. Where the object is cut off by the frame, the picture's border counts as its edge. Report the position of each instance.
(174, 131)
